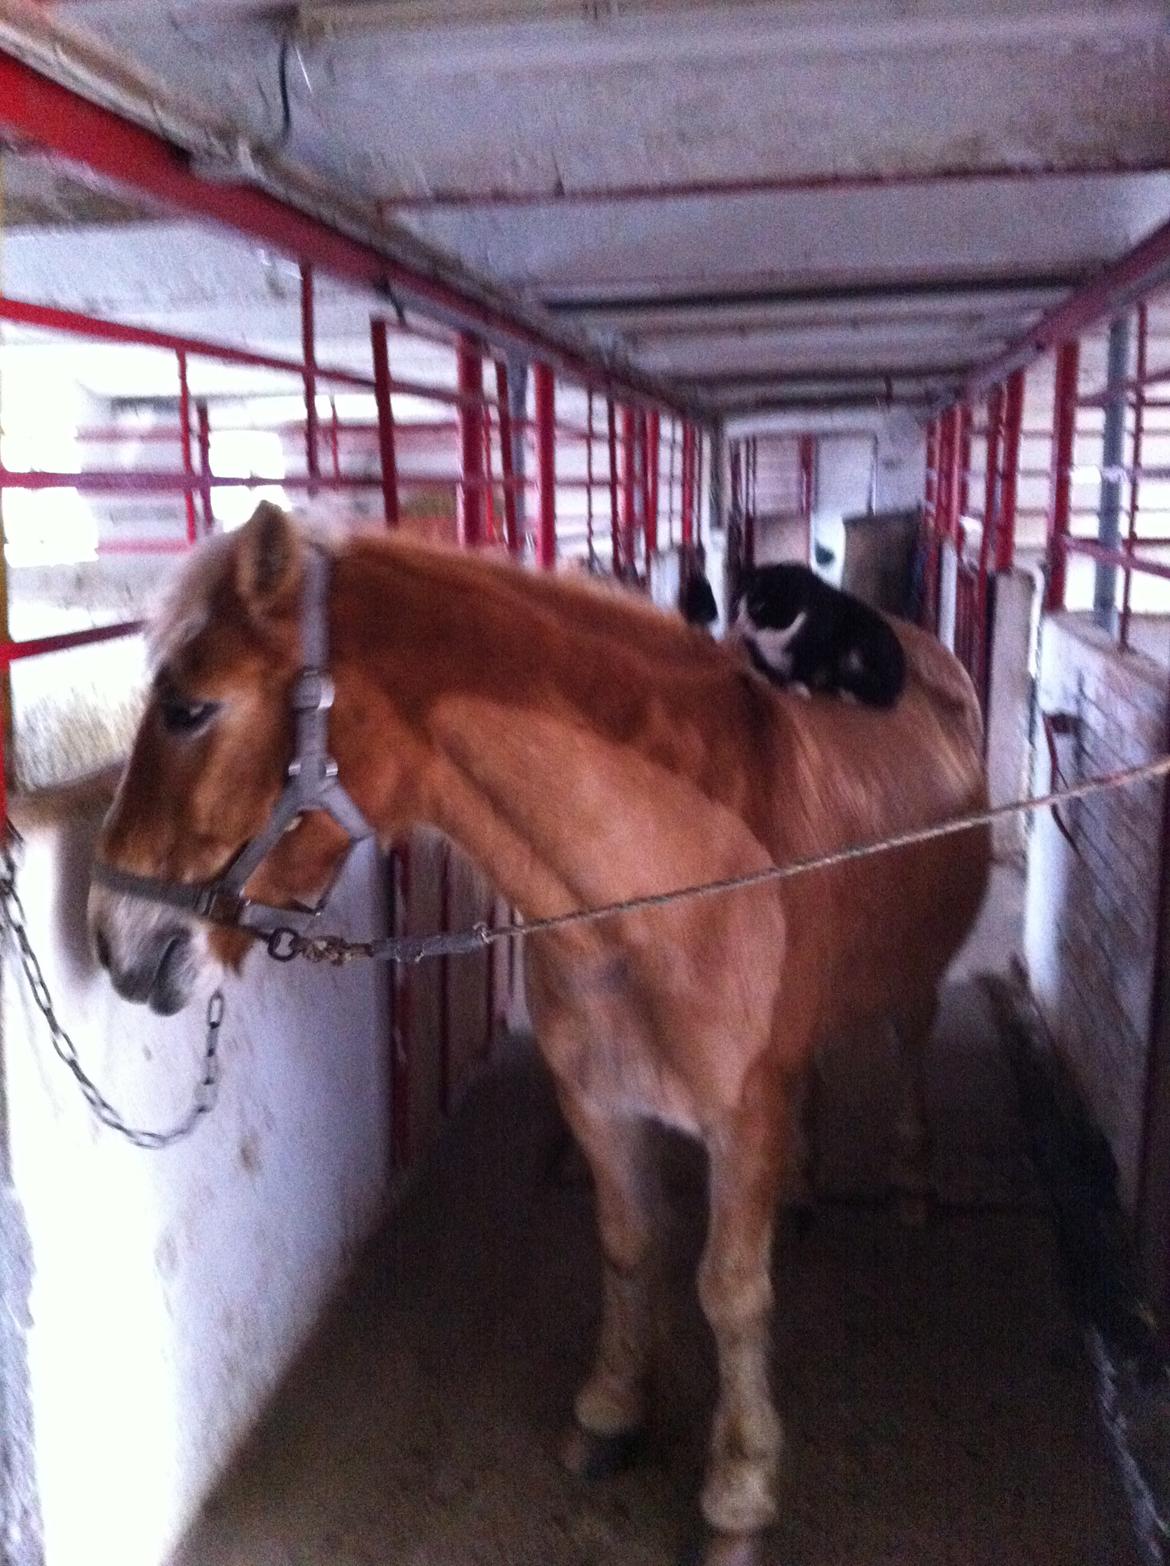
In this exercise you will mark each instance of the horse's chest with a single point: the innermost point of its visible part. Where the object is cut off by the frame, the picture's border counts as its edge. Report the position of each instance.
(599, 1034)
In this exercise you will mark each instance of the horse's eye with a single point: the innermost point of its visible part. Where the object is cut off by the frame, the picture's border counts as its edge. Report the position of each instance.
(186, 717)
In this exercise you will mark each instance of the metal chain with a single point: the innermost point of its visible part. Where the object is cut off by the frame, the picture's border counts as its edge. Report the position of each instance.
(206, 1088)
(284, 944)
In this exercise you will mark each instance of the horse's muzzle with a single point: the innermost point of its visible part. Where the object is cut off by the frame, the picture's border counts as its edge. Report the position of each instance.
(162, 973)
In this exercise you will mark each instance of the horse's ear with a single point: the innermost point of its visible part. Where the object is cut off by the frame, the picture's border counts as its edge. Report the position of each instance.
(269, 556)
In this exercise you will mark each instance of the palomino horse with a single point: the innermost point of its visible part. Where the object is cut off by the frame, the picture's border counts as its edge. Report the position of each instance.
(583, 748)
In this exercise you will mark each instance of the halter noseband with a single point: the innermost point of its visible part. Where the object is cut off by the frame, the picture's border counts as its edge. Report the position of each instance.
(311, 784)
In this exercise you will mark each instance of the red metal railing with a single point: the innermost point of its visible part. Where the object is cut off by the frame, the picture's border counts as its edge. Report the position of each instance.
(465, 470)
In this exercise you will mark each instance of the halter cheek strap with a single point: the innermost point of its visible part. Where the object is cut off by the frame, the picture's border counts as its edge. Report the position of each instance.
(311, 784)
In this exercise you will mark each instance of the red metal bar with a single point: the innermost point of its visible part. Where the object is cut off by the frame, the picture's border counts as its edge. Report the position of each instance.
(1118, 557)
(546, 465)
(188, 457)
(1005, 531)
(63, 122)
(933, 563)
(629, 486)
(389, 463)
(697, 486)
(614, 525)
(470, 500)
(309, 355)
(987, 532)
(203, 422)
(507, 462)
(670, 481)
(963, 464)
(751, 484)
(1108, 294)
(589, 479)
(76, 324)
(143, 546)
(687, 528)
(491, 529)
(1143, 325)
(946, 474)
(1064, 429)
(651, 436)
(13, 652)
(112, 481)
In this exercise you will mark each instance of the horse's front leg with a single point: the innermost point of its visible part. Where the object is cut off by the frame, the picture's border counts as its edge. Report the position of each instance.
(610, 1407)
(749, 1152)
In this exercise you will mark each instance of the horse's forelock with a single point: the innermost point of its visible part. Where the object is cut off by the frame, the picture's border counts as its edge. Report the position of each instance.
(186, 602)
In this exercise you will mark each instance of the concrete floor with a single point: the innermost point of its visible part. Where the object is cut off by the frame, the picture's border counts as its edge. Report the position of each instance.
(937, 1399)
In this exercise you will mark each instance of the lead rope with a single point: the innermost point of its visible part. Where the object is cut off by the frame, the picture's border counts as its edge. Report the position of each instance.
(285, 944)
(206, 1089)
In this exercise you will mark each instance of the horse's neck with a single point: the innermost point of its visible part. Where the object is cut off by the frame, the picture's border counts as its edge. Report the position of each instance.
(546, 745)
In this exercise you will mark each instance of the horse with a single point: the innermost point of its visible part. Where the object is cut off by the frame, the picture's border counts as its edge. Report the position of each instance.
(584, 748)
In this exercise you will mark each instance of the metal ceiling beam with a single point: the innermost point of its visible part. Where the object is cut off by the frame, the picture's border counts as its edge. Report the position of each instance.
(762, 185)
(826, 404)
(42, 100)
(781, 377)
(1114, 288)
(841, 293)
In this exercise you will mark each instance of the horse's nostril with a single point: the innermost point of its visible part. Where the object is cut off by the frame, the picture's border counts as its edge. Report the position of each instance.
(101, 948)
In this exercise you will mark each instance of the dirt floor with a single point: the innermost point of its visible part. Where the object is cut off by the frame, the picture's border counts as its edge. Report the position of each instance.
(937, 1398)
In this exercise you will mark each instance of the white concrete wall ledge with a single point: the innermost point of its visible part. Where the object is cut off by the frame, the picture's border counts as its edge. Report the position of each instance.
(171, 1289)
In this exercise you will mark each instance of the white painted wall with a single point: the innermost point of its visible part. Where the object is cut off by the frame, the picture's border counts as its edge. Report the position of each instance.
(172, 1288)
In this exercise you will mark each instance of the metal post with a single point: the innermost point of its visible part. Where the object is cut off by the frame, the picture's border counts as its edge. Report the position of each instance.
(629, 487)
(185, 447)
(203, 424)
(931, 563)
(963, 496)
(991, 478)
(652, 431)
(614, 525)
(512, 534)
(589, 477)
(670, 482)
(517, 370)
(491, 530)
(687, 526)
(715, 444)
(749, 511)
(807, 457)
(1135, 475)
(470, 372)
(546, 466)
(382, 397)
(1013, 421)
(1112, 459)
(309, 355)
(1064, 429)
(697, 486)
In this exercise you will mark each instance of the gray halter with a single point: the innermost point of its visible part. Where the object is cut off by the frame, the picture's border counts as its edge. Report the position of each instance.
(311, 784)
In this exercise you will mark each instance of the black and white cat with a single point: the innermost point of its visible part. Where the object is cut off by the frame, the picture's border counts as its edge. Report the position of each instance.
(799, 631)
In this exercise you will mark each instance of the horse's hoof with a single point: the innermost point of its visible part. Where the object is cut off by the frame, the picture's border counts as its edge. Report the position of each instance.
(724, 1549)
(589, 1456)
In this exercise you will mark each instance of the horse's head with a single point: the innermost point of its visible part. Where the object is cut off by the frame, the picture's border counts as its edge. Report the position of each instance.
(209, 762)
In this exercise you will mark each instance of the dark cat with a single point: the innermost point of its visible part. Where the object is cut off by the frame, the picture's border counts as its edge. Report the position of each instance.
(800, 631)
